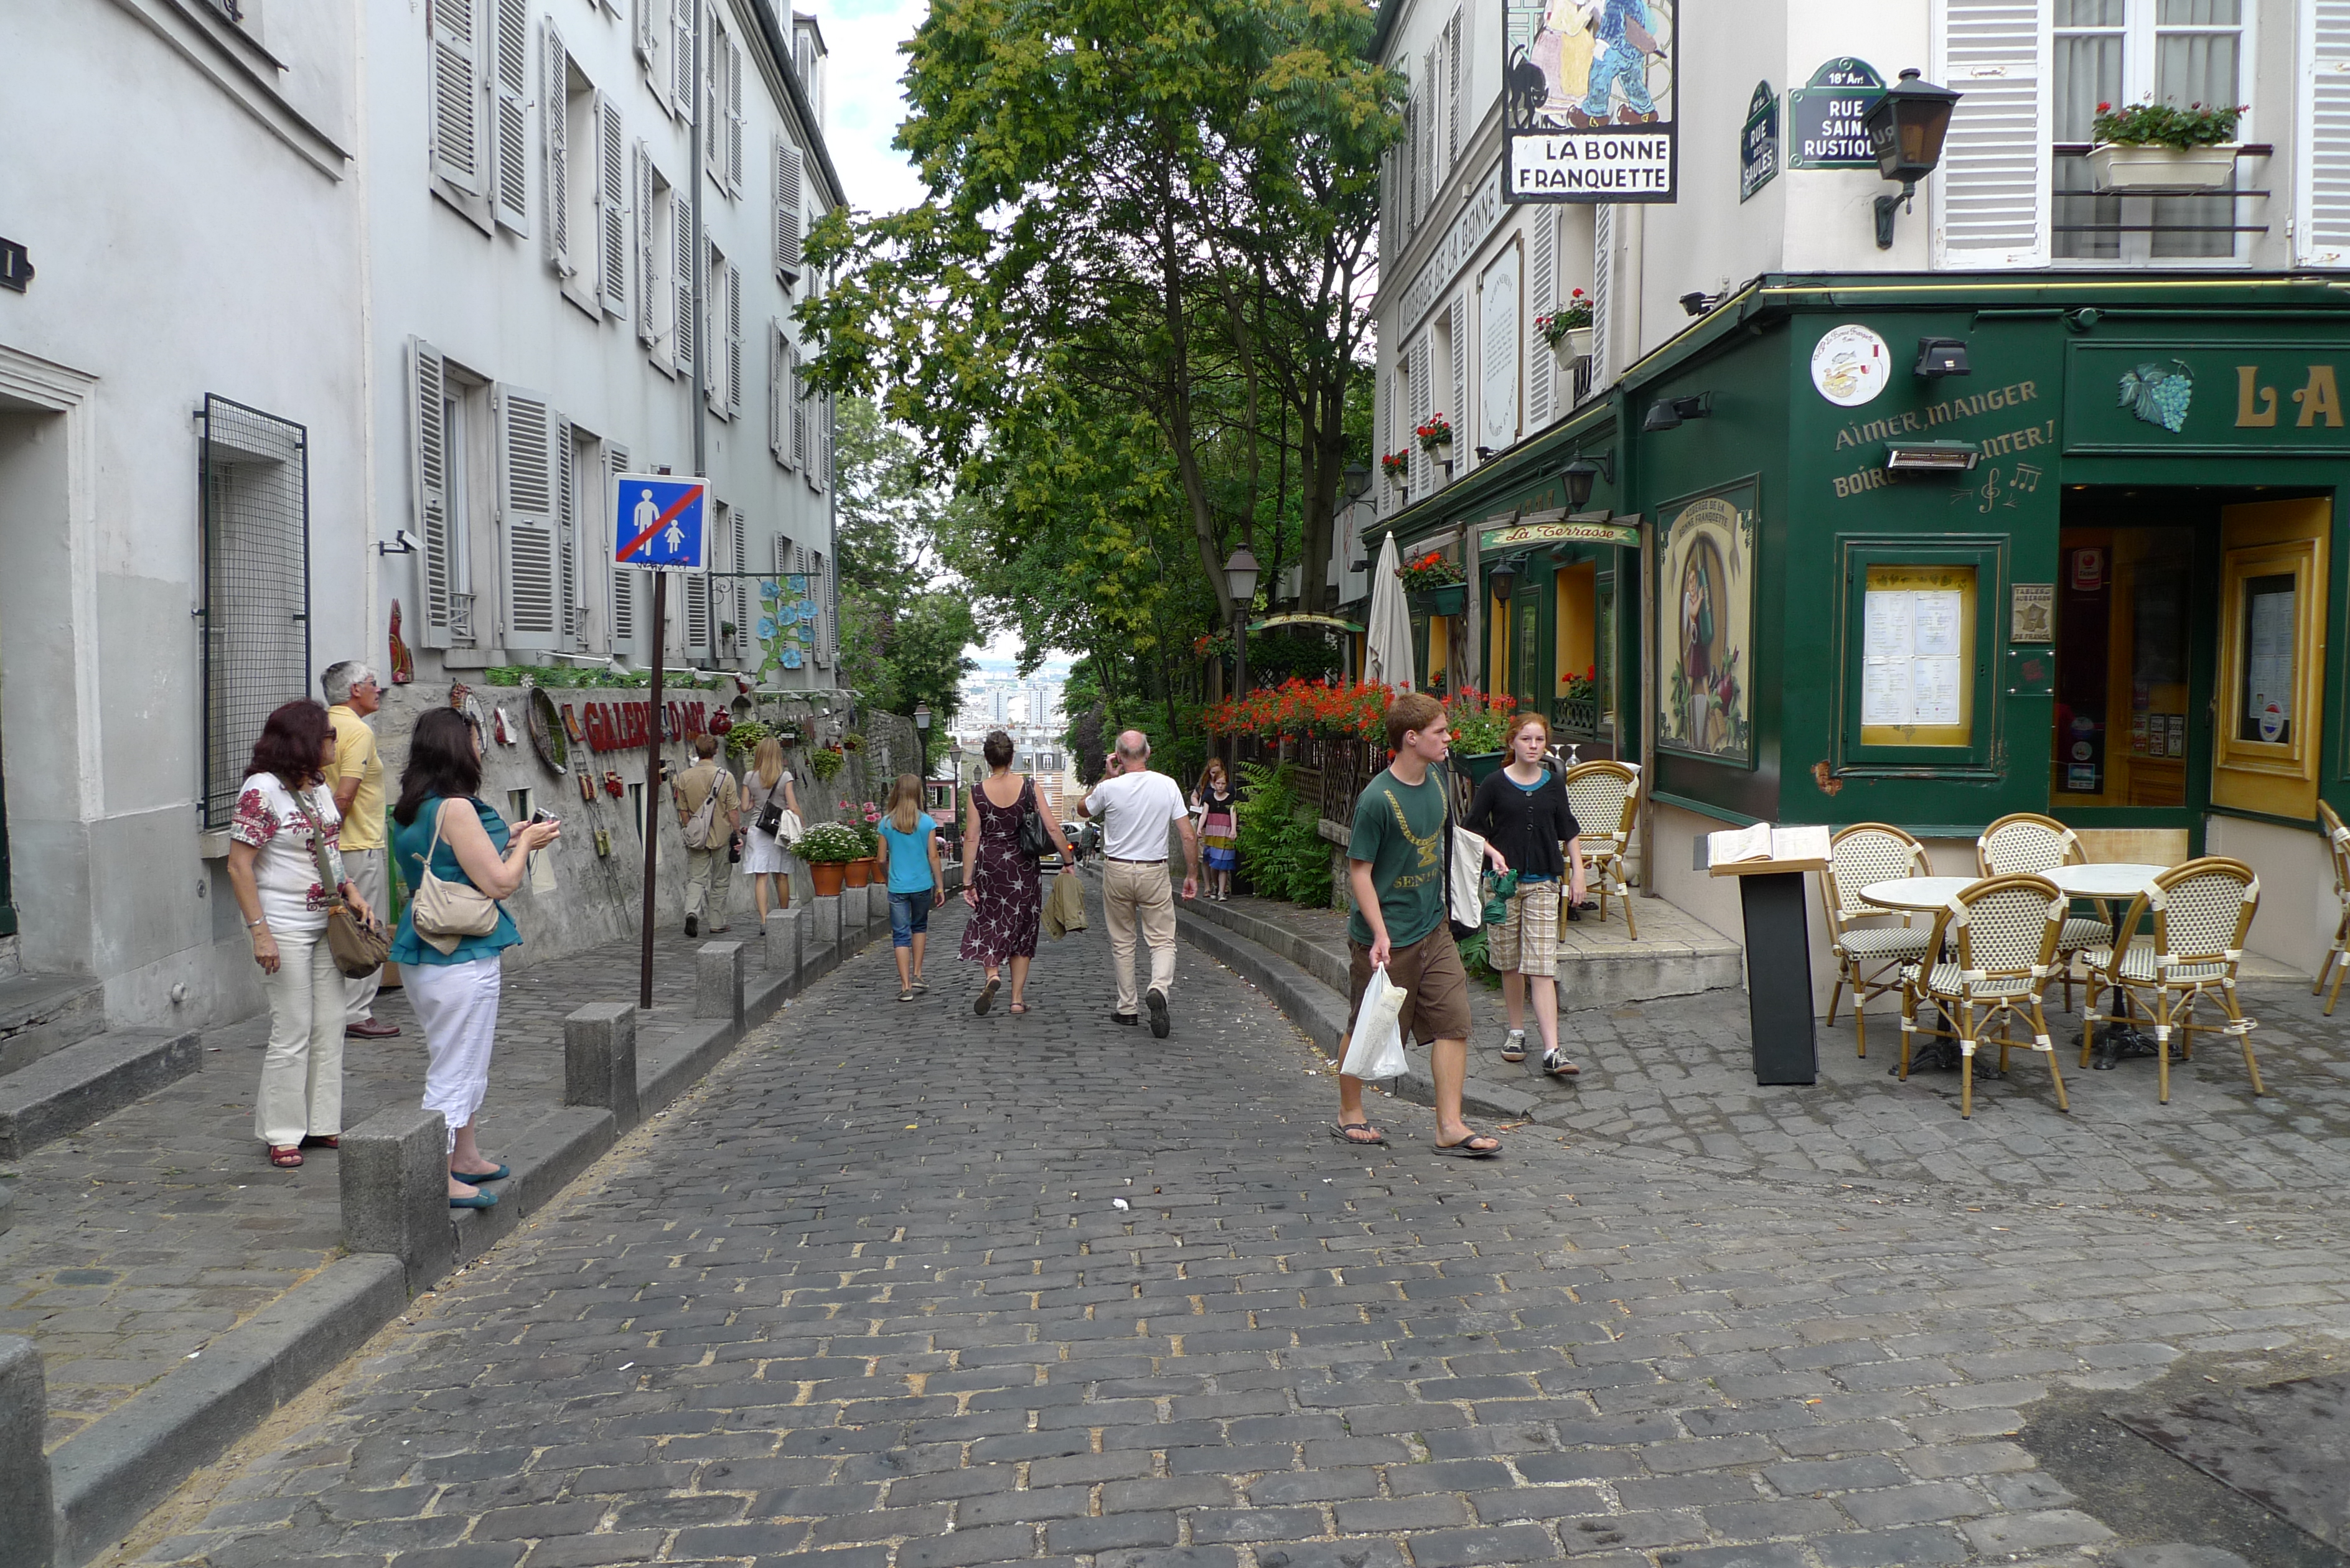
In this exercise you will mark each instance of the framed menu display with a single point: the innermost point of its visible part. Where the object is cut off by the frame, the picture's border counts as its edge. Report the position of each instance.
(1917, 635)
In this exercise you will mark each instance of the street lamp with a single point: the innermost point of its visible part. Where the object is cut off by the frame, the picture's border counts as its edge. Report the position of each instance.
(1906, 127)
(1579, 474)
(1240, 581)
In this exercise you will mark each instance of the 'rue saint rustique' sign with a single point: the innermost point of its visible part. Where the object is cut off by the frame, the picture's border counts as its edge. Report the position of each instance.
(1824, 117)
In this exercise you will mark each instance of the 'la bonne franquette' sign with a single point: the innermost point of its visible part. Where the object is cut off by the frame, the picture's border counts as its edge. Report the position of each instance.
(1589, 89)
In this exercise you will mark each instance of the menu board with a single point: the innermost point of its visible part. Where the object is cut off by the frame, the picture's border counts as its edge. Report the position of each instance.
(1916, 644)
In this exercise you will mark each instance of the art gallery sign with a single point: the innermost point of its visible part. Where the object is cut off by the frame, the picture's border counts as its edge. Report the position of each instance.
(1589, 111)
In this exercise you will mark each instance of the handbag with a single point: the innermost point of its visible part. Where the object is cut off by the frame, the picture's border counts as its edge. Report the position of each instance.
(771, 814)
(1035, 839)
(444, 911)
(359, 947)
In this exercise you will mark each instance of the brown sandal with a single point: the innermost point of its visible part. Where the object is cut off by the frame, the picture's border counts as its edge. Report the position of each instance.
(285, 1156)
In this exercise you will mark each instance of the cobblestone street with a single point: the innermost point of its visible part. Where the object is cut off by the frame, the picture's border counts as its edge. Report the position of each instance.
(904, 1288)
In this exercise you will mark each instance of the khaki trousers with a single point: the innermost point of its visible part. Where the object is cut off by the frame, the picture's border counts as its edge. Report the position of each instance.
(1137, 893)
(708, 874)
(302, 1070)
(365, 868)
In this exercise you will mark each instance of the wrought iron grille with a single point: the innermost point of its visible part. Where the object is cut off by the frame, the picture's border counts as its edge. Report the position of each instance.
(253, 488)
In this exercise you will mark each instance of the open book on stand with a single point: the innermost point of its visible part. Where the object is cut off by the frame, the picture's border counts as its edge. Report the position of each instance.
(1737, 846)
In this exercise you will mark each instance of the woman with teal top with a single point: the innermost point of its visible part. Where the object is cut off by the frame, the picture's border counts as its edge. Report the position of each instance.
(454, 981)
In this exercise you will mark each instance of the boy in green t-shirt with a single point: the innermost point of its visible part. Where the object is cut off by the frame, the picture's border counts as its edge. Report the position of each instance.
(1395, 866)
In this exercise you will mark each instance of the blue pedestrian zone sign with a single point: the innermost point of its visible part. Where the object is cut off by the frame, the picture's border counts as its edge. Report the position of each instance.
(661, 523)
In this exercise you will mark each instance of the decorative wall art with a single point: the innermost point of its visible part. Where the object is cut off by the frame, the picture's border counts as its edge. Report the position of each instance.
(1705, 625)
(1589, 90)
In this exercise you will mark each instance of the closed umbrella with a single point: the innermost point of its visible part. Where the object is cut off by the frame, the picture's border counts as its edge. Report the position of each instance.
(1387, 654)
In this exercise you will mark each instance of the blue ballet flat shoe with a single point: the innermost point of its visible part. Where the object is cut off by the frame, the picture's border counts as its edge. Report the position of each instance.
(478, 1201)
(500, 1174)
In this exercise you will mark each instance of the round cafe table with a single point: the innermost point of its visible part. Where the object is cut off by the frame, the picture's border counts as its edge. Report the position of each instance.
(2111, 881)
(1928, 896)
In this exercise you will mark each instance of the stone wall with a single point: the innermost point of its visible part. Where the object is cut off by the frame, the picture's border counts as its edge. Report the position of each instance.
(596, 896)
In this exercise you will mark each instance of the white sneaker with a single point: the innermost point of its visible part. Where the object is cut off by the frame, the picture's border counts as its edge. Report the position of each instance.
(1514, 1045)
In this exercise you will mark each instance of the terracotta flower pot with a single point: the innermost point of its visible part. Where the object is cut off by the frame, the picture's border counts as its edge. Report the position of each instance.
(860, 872)
(826, 875)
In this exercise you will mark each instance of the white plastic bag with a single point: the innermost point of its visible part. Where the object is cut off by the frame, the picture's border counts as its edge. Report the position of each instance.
(1375, 1049)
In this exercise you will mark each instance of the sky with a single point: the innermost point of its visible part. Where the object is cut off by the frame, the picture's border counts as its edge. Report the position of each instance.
(864, 105)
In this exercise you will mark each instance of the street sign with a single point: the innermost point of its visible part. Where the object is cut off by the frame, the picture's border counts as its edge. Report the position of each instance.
(661, 523)
(1825, 116)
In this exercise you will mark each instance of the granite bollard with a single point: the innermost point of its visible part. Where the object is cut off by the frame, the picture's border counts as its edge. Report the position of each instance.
(718, 983)
(599, 1060)
(785, 928)
(394, 1171)
(25, 1528)
(824, 928)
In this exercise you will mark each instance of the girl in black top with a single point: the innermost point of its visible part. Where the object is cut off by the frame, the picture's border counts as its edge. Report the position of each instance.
(1522, 810)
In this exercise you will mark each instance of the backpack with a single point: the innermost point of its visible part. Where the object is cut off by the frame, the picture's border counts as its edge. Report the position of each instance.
(698, 825)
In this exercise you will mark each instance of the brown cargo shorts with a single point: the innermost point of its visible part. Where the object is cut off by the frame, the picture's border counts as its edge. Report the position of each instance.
(1436, 988)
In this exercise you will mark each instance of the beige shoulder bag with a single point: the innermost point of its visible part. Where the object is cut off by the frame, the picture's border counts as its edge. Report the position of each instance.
(445, 912)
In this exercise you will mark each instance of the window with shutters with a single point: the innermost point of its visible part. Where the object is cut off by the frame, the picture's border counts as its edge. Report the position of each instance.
(682, 261)
(253, 495)
(2124, 51)
(721, 107)
(465, 141)
(782, 391)
(585, 203)
(1456, 74)
(583, 502)
(2322, 173)
(510, 121)
(613, 229)
(791, 206)
(681, 56)
(696, 605)
(533, 448)
(446, 407)
(657, 228)
(820, 584)
(722, 371)
(1542, 291)
(627, 588)
(649, 23)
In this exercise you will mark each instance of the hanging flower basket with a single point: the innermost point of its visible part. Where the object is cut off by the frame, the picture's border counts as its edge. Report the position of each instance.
(1435, 438)
(1452, 600)
(1397, 466)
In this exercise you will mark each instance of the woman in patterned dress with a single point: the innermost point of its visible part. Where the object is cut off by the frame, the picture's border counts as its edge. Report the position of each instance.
(1001, 888)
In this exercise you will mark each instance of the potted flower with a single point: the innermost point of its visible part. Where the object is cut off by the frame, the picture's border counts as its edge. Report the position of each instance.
(1397, 466)
(1436, 438)
(1579, 714)
(2156, 149)
(1480, 731)
(865, 822)
(1435, 584)
(1567, 329)
(828, 847)
(826, 762)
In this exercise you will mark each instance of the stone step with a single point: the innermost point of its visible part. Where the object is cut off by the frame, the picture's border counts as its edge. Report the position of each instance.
(41, 1013)
(67, 1090)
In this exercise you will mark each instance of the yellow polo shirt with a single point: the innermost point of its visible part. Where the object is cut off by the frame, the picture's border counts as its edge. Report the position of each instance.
(355, 757)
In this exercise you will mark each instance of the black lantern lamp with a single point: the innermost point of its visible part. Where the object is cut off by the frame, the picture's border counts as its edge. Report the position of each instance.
(1906, 127)
(1240, 581)
(1578, 478)
(1502, 576)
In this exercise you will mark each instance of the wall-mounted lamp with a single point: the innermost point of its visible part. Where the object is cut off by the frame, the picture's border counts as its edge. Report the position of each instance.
(1940, 357)
(1906, 127)
(1931, 456)
(1698, 302)
(1358, 480)
(1503, 578)
(1577, 477)
(1667, 414)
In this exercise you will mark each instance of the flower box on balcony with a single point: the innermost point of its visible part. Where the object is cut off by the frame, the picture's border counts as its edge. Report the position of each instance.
(2120, 168)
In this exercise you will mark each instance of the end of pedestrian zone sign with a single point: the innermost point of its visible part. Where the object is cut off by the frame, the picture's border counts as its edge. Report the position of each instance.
(660, 521)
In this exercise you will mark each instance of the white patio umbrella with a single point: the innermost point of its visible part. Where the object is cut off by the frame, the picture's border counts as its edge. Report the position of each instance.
(1387, 652)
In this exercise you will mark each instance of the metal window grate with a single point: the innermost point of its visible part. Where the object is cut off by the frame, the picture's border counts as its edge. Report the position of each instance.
(253, 485)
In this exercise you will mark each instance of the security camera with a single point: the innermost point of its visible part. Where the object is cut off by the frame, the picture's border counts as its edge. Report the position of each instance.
(403, 542)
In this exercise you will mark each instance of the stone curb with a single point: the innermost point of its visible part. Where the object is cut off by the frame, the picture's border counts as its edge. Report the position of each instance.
(107, 1478)
(68, 1089)
(1320, 1014)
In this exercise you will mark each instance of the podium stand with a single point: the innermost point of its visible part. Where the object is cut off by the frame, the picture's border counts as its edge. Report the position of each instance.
(1778, 967)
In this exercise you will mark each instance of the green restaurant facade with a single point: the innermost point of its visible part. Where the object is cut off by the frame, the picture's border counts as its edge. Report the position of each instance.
(1818, 577)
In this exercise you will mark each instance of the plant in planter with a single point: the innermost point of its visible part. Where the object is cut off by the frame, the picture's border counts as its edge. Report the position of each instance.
(1480, 725)
(2155, 148)
(1567, 329)
(1396, 465)
(852, 741)
(826, 762)
(1433, 570)
(829, 844)
(1435, 438)
(744, 737)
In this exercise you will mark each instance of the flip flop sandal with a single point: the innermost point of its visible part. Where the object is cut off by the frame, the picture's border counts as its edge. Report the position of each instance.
(1514, 1045)
(1558, 1066)
(1463, 1149)
(1344, 1131)
(986, 998)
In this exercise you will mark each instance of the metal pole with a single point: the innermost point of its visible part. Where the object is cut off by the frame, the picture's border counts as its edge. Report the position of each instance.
(698, 263)
(1240, 654)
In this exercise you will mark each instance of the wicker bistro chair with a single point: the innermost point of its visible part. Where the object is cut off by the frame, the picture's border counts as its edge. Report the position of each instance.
(1869, 958)
(2201, 911)
(1605, 795)
(2028, 843)
(2337, 958)
(2006, 928)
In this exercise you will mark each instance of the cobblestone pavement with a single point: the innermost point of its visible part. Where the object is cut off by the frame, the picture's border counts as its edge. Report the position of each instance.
(901, 1288)
(145, 1235)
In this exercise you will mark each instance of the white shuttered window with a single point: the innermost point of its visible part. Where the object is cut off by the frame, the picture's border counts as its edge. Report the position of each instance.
(456, 94)
(429, 497)
(1542, 293)
(528, 503)
(511, 84)
(611, 208)
(555, 129)
(2322, 229)
(624, 583)
(791, 186)
(1991, 194)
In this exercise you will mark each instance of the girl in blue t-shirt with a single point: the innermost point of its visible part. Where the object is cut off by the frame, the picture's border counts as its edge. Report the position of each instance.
(909, 851)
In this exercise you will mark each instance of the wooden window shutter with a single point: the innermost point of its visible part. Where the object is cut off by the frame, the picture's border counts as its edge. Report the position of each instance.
(791, 186)
(566, 531)
(456, 100)
(650, 25)
(555, 123)
(734, 340)
(1453, 71)
(1431, 130)
(682, 259)
(624, 581)
(681, 55)
(512, 85)
(698, 639)
(820, 584)
(1409, 150)
(2321, 197)
(428, 467)
(1603, 290)
(1459, 413)
(1991, 195)
(820, 465)
(712, 325)
(648, 266)
(713, 98)
(1423, 388)
(1542, 291)
(733, 115)
(526, 517)
(799, 416)
(612, 206)
(1390, 231)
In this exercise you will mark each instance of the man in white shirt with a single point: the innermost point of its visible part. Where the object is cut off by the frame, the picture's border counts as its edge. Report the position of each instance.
(1135, 809)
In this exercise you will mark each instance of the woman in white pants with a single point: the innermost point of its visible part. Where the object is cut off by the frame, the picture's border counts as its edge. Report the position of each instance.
(286, 822)
(454, 981)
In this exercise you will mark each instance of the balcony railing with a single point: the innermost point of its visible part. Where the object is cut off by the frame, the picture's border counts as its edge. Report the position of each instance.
(2162, 219)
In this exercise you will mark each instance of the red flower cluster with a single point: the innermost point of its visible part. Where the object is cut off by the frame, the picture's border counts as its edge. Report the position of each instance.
(1301, 707)
(1430, 571)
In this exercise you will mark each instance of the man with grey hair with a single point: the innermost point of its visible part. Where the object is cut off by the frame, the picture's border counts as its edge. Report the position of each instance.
(1136, 807)
(357, 778)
